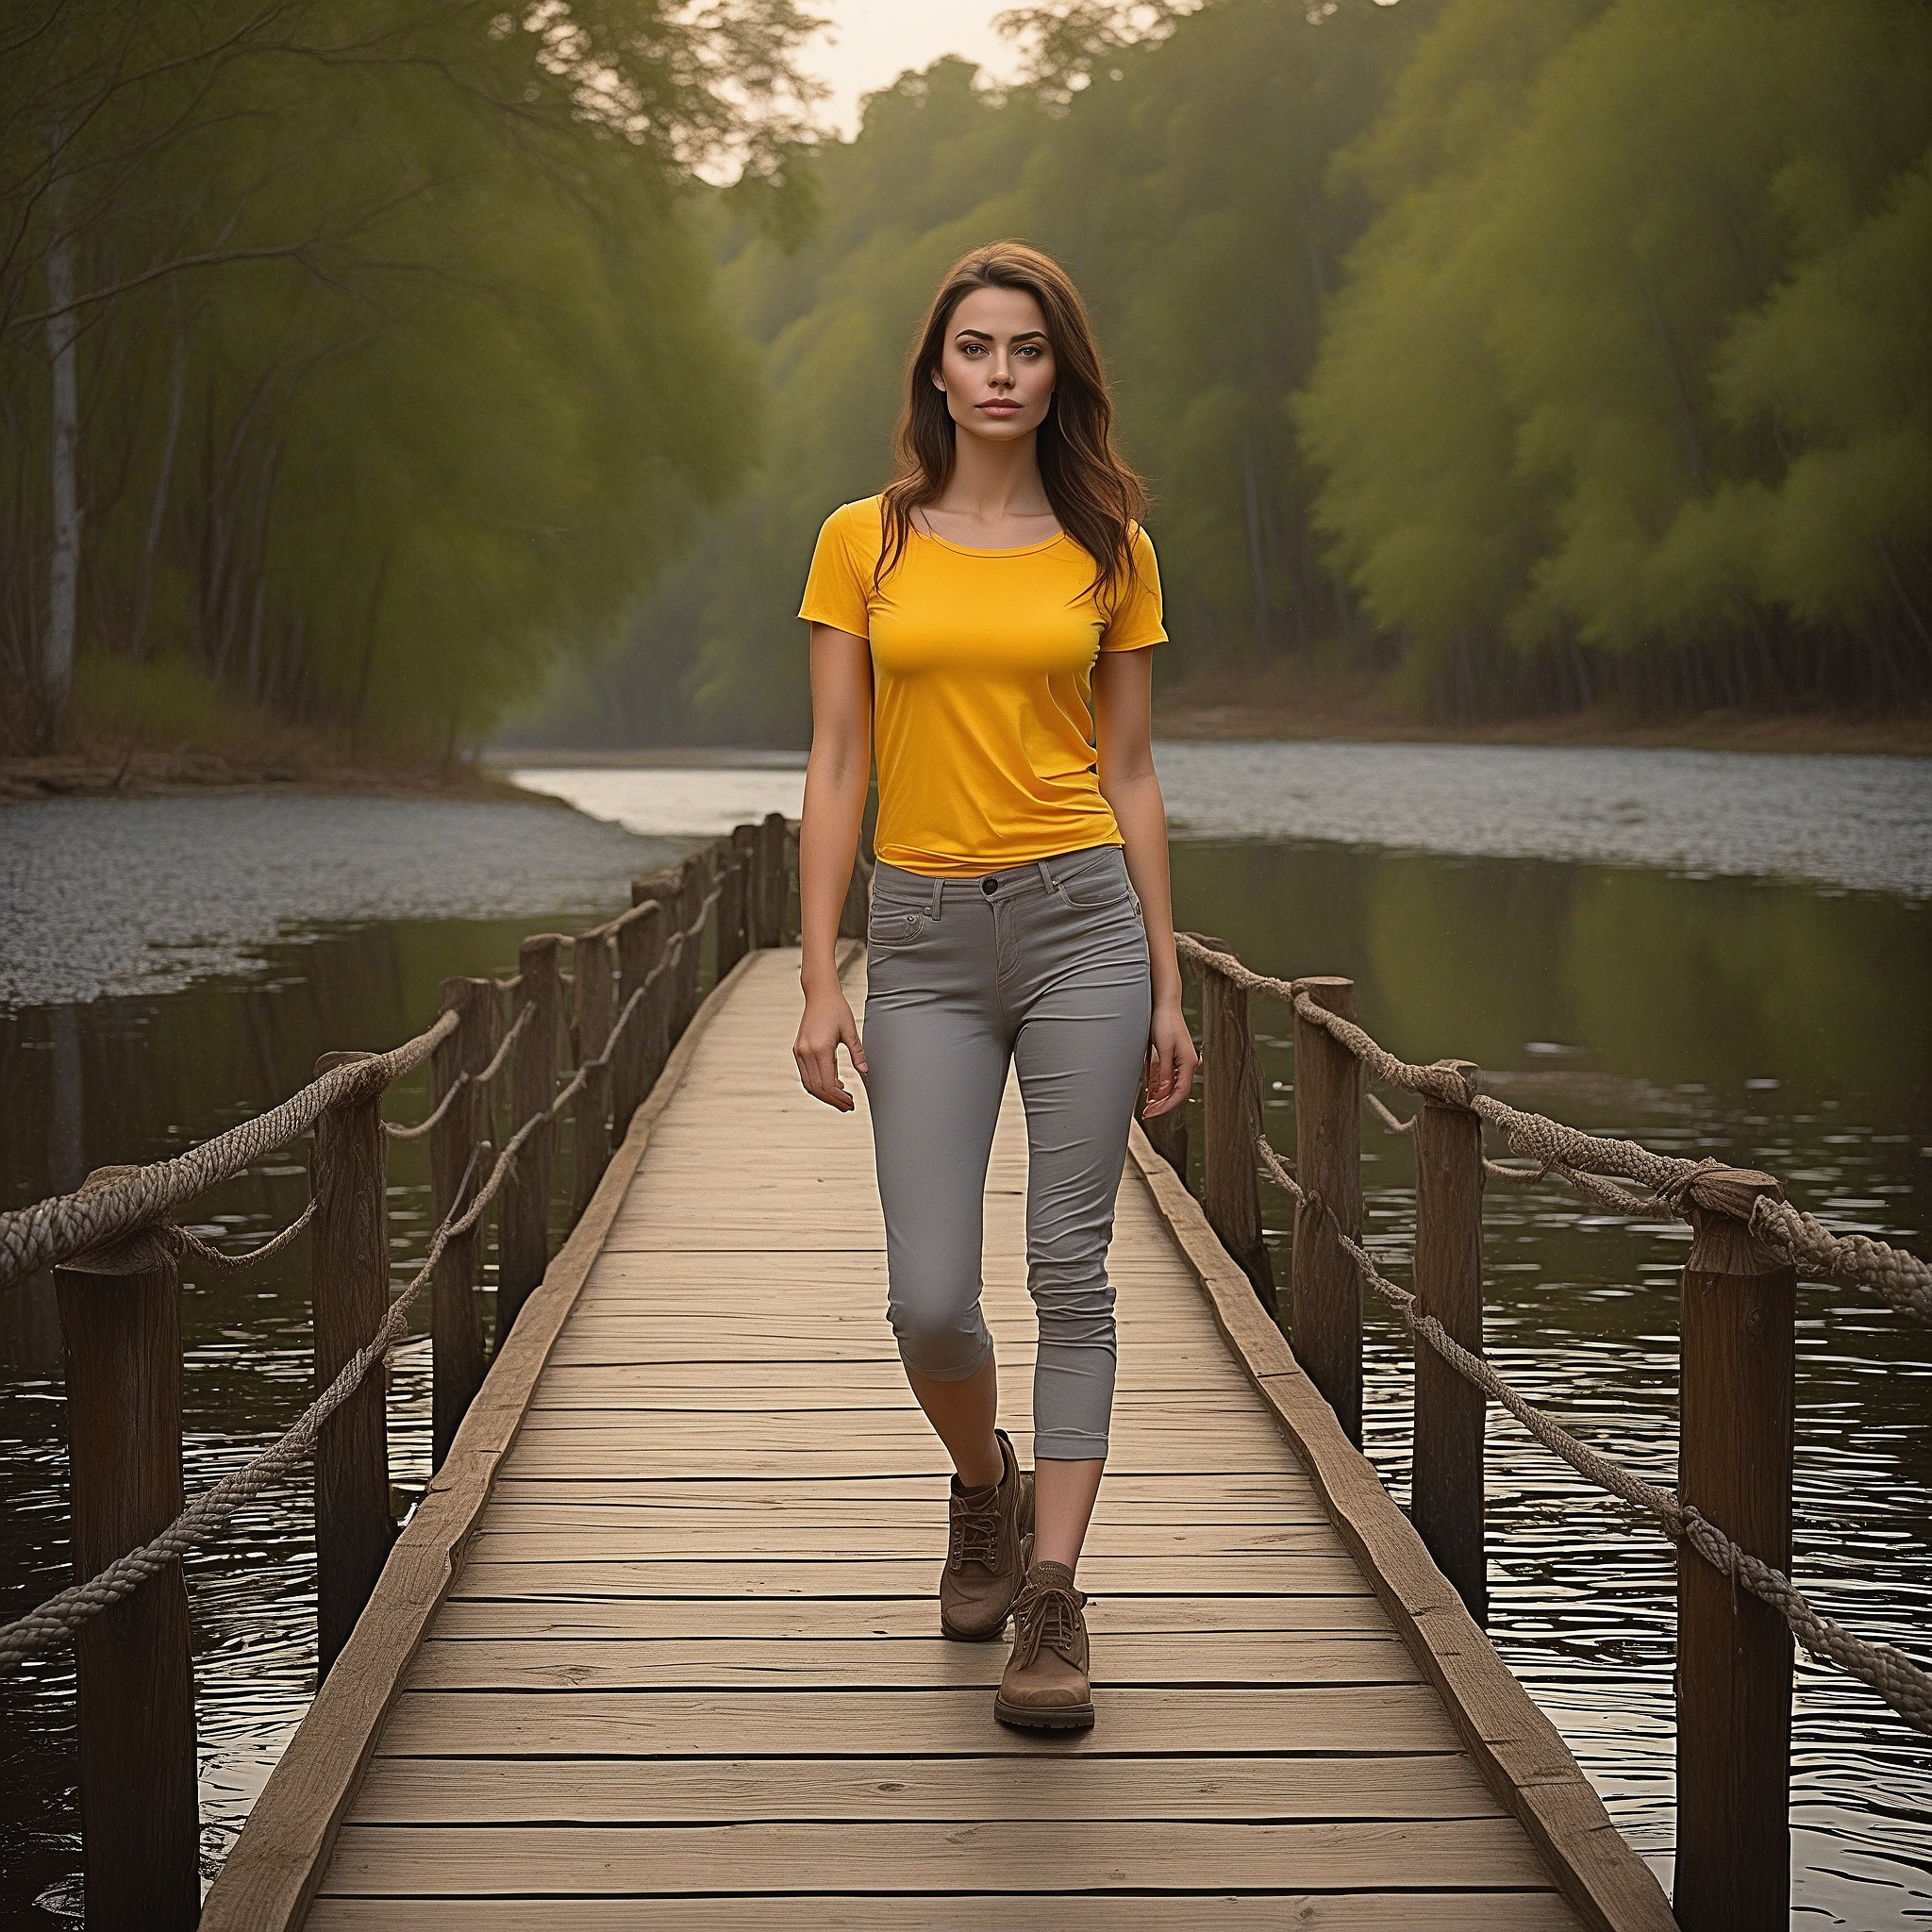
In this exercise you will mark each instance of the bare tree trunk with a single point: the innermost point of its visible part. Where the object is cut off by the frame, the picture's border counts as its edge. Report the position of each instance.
(56, 648)
(138, 643)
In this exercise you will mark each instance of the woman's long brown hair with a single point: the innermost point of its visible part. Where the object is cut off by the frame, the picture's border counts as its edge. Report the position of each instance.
(1097, 498)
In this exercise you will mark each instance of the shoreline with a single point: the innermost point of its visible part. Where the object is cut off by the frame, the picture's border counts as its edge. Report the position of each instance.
(1181, 716)
(186, 774)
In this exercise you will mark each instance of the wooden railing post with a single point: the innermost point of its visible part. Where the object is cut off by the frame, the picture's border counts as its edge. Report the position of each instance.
(594, 993)
(694, 882)
(1231, 1125)
(1447, 1507)
(590, 1128)
(1326, 1290)
(349, 1290)
(745, 841)
(1734, 1652)
(455, 1318)
(640, 939)
(120, 1329)
(522, 1243)
(735, 906)
(774, 881)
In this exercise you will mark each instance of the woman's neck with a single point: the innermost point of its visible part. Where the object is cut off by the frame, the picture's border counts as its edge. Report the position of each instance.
(993, 483)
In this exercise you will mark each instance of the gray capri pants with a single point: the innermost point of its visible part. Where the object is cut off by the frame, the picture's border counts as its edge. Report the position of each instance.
(1044, 966)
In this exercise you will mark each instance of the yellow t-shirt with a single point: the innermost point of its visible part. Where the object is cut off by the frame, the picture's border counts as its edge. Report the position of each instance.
(982, 666)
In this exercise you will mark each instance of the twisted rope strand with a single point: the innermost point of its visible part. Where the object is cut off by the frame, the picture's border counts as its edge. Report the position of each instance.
(57, 1229)
(1583, 1159)
(182, 1241)
(211, 1513)
(1887, 1671)
(398, 1132)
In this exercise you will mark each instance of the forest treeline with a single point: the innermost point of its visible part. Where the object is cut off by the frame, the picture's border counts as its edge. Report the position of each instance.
(1535, 353)
(358, 356)
(1529, 353)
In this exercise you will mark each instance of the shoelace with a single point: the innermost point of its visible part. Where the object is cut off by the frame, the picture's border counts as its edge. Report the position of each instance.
(1045, 1613)
(975, 1535)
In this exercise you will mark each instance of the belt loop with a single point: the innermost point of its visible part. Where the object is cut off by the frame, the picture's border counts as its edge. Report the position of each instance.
(934, 903)
(1046, 877)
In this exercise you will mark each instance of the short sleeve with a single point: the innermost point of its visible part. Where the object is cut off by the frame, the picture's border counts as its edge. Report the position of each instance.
(836, 586)
(1135, 620)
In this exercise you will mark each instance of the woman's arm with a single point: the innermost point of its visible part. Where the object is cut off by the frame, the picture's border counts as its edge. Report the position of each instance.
(1124, 725)
(836, 780)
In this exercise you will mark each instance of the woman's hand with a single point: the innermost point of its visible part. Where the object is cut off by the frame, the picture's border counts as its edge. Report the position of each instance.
(1172, 1061)
(827, 1023)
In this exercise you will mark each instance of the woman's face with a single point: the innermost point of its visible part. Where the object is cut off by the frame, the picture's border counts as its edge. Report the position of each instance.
(997, 365)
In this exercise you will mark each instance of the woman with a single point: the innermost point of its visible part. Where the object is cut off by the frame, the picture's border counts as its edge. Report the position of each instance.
(990, 621)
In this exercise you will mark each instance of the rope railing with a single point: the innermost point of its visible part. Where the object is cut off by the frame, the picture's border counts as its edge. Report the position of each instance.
(205, 1519)
(1887, 1671)
(396, 1130)
(184, 1242)
(57, 1619)
(1583, 1161)
(54, 1230)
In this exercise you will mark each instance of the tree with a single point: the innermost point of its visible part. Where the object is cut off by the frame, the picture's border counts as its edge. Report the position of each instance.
(439, 338)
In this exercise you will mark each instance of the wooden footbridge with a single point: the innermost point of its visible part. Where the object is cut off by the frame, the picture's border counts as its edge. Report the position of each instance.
(659, 1647)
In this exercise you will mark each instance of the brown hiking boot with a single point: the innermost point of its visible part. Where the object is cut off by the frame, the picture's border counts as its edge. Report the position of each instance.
(983, 1561)
(1045, 1686)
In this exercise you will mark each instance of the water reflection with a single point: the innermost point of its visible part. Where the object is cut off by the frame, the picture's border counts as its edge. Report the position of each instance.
(136, 1079)
(1626, 1001)
(1770, 1025)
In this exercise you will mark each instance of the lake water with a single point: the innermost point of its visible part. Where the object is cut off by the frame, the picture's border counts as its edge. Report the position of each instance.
(1720, 955)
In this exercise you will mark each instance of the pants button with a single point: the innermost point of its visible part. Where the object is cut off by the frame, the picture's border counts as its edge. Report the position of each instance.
(989, 887)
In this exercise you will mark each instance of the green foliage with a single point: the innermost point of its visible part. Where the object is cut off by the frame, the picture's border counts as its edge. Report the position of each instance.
(165, 699)
(402, 372)
(1183, 179)
(1637, 354)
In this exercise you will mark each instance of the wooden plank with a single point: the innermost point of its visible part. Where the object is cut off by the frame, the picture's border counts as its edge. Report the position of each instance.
(604, 1452)
(1224, 1911)
(1512, 1741)
(602, 1790)
(626, 1536)
(270, 1873)
(1041, 1857)
(933, 1723)
(1115, 1614)
(912, 1663)
(1170, 1496)
(589, 1577)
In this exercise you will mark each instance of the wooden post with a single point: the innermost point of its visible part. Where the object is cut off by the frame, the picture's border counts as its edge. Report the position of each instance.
(694, 883)
(1231, 1125)
(349, 1290)
(456, 1319)
(120, 1329)
(774, 881)
(1734, 1653)
(853, 913)
(745, 841)
(590, 1128)
(522, 1241)
(1327, 1288)
(735, 905)
(594, 993)
(1447, 1508)
(640, 939)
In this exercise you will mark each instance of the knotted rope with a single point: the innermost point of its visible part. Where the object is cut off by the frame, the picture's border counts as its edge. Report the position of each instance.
(1583, 1160)
(1896, 1679)
(69, 1225)
(209, 1514)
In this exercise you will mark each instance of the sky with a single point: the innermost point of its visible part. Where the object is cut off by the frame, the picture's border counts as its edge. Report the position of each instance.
(871, 43)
